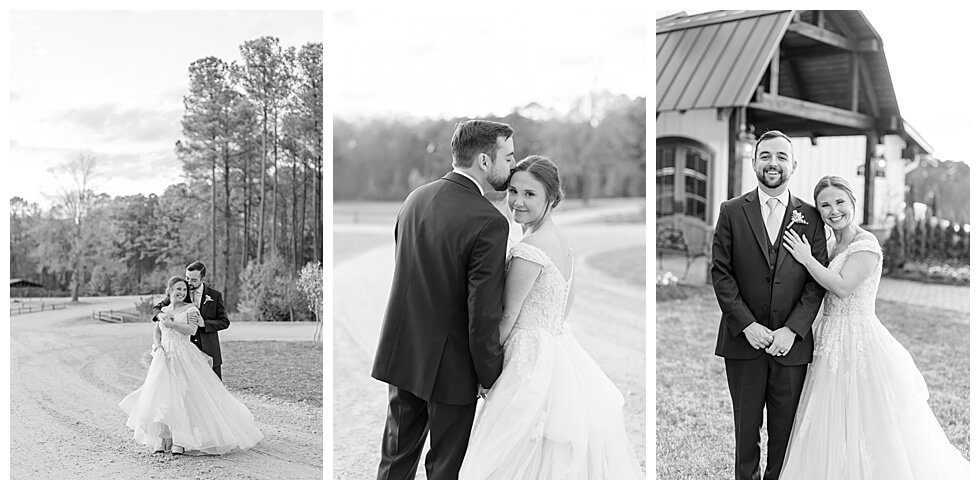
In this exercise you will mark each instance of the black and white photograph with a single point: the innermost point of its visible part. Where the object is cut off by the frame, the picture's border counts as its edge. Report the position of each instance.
(166, 244)
(813, 243)
(489, 242)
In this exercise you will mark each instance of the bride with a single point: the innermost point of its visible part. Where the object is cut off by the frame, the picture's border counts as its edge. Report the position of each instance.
(552, 414)
(863, 412)
(182, 406)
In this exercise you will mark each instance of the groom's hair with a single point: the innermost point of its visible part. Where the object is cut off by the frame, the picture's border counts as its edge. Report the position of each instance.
(474, 137)
(197, 265)
(768, 135)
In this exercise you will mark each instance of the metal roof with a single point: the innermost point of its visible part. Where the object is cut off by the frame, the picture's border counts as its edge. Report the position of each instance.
(715, 59)
(719, 59)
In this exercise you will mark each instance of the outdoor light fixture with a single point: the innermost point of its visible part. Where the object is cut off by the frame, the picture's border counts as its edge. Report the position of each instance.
(745, 145)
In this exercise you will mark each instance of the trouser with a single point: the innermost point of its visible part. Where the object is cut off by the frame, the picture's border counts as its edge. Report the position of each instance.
(410, 419)
(754, 384)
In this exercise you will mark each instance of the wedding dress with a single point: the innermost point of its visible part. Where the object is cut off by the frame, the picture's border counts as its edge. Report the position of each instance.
(863, 412)
(183, 399)
(552, 413)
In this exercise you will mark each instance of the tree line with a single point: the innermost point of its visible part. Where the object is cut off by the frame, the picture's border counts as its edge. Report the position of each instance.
(599, 146)
(252, 155)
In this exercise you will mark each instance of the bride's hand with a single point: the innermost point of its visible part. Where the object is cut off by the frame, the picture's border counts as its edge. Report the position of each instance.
(798, 246)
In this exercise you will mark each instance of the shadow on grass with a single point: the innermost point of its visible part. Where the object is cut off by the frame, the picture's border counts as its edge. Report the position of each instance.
(695, 432)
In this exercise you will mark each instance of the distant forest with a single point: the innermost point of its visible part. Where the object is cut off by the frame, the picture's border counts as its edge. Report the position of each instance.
(252, 154)
(599, 146)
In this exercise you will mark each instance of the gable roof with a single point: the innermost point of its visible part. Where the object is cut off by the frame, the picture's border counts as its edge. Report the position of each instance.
(715, 59)
(720, 59)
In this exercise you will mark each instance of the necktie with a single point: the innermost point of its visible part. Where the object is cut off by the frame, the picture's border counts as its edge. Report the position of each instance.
(774, 220)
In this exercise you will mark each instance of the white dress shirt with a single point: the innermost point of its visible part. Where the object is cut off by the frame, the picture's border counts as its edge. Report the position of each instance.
(763, 204)
(468, 176)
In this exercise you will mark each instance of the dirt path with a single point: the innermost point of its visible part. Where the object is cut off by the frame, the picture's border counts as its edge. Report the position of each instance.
(67, 374)
(608, 319)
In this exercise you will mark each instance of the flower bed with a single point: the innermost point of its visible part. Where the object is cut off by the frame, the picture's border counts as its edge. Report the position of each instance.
(934, 272)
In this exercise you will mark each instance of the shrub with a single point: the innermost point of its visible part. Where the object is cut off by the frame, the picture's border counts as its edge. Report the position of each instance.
(144, 306)
(269, 292)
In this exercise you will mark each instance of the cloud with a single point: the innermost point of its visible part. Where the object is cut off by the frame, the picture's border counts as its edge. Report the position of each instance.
(112, 122)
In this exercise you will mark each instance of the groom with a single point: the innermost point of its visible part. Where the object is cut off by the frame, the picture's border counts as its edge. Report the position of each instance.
(212, 307)
(439, 338)
(768, 304)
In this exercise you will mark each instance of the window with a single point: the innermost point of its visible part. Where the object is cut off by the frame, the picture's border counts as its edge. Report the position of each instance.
(682, 177)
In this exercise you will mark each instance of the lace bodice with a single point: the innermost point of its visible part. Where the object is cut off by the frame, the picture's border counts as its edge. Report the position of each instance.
(544, 306)
(190, 315)
(861, 301)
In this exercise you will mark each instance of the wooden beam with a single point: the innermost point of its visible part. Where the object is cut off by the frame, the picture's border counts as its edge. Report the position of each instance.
(821, 35)
(855, 80)
(871, 45)
(812, 111)
(774, 73)
(869, 176)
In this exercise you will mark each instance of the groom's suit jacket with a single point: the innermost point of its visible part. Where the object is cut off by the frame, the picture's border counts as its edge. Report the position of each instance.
(440, 333)
(758, 282)
(215, 319)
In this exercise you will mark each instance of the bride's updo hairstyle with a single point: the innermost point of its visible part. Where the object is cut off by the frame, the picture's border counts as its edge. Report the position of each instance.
(173, 282)
(833, 181)
(546, 172)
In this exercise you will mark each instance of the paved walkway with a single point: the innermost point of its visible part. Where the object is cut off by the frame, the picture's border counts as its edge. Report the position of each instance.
(956, 298)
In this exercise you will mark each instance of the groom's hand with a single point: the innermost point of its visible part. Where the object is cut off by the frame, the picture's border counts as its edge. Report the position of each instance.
(759, 337)
(782, 342)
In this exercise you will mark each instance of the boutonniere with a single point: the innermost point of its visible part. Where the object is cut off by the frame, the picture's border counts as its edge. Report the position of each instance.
(796, 218)
(207, 297)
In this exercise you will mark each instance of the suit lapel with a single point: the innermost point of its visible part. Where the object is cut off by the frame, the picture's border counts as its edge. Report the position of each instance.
(753, 213)
(781, 252)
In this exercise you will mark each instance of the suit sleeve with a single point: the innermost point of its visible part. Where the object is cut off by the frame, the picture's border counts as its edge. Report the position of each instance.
(220, 320)
(800, 320)
(723, 278)
(157, 308)
(485, 292)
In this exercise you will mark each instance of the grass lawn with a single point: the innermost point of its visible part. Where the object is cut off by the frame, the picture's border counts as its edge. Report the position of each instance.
(695, 432)
(291, 371)
(628, 264)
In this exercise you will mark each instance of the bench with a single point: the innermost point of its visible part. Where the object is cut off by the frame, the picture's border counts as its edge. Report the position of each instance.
(693, 242)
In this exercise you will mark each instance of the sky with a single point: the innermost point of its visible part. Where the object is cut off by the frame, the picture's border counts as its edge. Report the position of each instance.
(462, 60)
(112, 83)
(931, 54)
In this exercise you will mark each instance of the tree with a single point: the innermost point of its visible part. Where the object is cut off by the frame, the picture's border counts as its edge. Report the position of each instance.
(76, 197)
(264, 82)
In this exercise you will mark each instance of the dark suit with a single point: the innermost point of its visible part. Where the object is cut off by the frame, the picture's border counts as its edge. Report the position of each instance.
(758, 282)
(440, 331)
(215, 319)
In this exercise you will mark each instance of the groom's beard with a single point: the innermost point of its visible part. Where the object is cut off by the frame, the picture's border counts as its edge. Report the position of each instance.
(498, 185)
(770, 182)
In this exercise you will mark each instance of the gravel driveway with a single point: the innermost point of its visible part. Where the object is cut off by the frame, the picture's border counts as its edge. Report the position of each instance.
(67, 373)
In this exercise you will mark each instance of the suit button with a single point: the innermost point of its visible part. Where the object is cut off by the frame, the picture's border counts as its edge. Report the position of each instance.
(765, 307)
(767, 279)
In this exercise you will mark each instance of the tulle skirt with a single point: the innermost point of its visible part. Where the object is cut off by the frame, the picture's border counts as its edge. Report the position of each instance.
(552, 414)
(183, 399)
(863, 413)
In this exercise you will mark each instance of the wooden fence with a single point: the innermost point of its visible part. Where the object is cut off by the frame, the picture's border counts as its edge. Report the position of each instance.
(108, 316)
(28, 308)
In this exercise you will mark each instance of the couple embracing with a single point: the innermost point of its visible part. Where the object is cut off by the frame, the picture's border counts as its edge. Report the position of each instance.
(844, 400)
(182, 406)
(468, 320)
